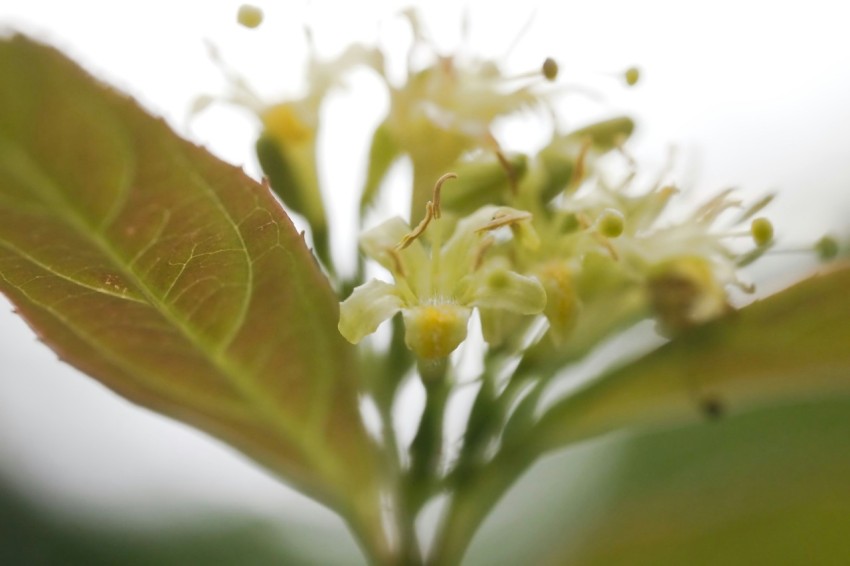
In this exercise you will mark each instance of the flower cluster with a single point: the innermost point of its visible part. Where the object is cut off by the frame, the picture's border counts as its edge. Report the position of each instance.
(514, 236)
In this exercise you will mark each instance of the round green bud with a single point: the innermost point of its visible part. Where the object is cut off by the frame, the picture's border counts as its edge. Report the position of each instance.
(826, 248)
(610, 223)
(762, 230)
(632, 76)
(249, 16)
(550, 69)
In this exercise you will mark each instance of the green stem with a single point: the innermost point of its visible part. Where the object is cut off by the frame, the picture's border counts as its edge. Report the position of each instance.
(408, 551)
(473, 499)
(368, 530)
(427, 447)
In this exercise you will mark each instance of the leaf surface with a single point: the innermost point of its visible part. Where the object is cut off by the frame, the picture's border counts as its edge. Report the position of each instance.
(768, 487)
(171, 277)
(792, 346)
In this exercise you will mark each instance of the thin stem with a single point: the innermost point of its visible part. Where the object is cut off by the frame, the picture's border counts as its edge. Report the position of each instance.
(407, 547)
(473, 498)
(427, 447)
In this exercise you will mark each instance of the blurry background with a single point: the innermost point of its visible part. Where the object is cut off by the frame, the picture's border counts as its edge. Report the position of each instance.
(752, 94)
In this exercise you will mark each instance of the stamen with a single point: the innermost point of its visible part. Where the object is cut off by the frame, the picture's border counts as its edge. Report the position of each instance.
(409, 238)
(509, 171)
(432, 212)
(632, 76)
(550, 69)
(484, 245)
(578, 173)
(436, 195)
(398, 265)
(503, 218)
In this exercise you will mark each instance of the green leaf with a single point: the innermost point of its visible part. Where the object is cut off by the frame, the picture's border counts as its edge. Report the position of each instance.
(769, 487)
(173, 278)
(291, 171)
(766, 487)
(53, 535)
(787, 347)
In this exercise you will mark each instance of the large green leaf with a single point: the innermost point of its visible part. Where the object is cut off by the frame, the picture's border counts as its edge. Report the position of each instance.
(790, 346)
(768, 487)
(173, 278)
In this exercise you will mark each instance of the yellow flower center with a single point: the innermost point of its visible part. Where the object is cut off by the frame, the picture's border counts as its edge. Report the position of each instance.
(282, 123)
(434, 331)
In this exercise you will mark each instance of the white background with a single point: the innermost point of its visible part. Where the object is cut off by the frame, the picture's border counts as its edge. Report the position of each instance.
(753, 94)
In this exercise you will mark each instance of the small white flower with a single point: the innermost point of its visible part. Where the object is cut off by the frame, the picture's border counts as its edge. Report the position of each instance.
(436, 289)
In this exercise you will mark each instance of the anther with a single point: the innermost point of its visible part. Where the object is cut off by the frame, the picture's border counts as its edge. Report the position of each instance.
(481, 250)
(420, 228)
(249, 16)
(579, 170)
(436, 195)
(610, 223)
(398, 265)
(762, 231)
(503, 218)
(550, 69)
(632, 76)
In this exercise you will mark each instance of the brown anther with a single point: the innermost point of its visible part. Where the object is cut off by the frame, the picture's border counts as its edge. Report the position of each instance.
(398, 265)
(484, 245)
(420, 228)
(509, 171)
(550, 69)
(436, 197)
(579, 172)
(502, 218)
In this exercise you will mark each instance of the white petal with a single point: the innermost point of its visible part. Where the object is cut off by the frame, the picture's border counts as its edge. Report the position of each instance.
(366, 308)
(499, 288)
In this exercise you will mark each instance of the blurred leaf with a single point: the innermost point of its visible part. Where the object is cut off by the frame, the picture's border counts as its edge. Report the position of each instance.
(37, 535)
(172, 278)
(787, 347)
(769, 487)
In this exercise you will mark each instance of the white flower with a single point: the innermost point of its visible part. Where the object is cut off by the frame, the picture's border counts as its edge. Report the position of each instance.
(436, 289)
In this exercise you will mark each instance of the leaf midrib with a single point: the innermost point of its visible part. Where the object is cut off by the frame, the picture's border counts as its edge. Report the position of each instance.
(243, 385)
